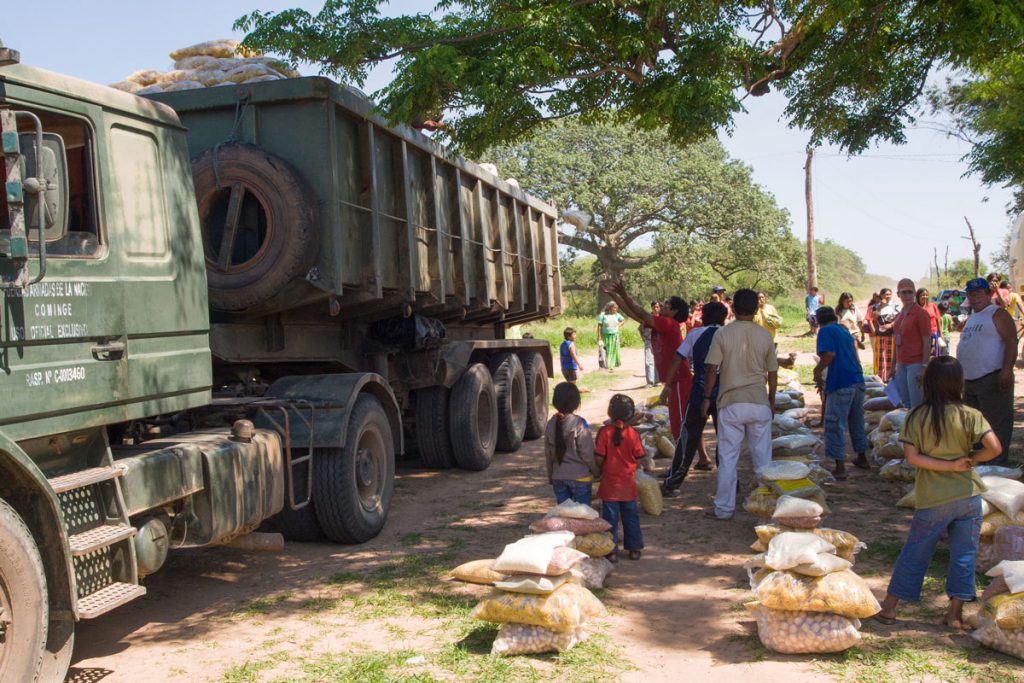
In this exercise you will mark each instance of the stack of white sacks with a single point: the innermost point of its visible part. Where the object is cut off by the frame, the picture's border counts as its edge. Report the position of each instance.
(793, 476)
(207, 65)
(807, 599)
(540, 583)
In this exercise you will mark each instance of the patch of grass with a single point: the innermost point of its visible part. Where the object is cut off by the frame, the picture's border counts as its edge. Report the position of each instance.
(884, 551)
(261, 606)
(893, 660)
(374, 667)
(249, 672)
(412, 538)
(320, 603)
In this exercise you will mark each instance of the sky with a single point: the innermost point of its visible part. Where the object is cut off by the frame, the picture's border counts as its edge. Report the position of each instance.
(893, 205)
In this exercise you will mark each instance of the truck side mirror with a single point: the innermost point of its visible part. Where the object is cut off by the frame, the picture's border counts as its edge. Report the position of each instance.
(45, 180)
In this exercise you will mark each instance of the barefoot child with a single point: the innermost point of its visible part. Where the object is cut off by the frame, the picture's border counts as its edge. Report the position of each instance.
(938, 436)
(569, 448)
(567, 354)
(618, 448)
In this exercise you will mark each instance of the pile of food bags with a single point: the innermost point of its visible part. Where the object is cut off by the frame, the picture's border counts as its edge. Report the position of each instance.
(789, 398)
(786, 478)
(885, 439)
(807, 598)
(1001, 620)
(540, 593)
(876, 408)
(206, 65)
(1002, 506)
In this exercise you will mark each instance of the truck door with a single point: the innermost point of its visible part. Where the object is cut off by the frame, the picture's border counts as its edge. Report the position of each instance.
(62, 343)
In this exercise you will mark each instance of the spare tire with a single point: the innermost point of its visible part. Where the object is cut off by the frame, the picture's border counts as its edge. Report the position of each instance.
(259, 224)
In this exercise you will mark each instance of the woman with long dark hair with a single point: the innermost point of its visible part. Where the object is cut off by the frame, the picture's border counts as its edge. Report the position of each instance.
(934, 317)
(938, 438)
(849, 317)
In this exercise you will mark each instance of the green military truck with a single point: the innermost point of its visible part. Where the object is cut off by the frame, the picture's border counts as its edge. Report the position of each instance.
(232, 308)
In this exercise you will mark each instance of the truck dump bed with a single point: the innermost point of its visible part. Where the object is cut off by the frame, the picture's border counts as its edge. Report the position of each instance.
(400, 220)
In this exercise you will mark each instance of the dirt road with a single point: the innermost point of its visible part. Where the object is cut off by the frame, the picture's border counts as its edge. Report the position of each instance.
(377, 612)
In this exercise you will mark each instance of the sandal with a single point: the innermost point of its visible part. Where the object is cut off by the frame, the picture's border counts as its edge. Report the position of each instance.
(882, 619)
(634, 554)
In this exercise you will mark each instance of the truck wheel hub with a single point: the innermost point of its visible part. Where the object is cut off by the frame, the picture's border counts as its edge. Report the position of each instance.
(365, 469)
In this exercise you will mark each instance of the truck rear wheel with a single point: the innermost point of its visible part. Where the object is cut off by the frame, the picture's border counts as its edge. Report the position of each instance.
(24, 609)
(473, 418)
(432, 428)
(259, 224)
(353, 484)
(536, 395)
(510, 386)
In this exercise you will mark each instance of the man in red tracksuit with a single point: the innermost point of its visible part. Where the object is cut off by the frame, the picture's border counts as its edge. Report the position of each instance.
(666, 337)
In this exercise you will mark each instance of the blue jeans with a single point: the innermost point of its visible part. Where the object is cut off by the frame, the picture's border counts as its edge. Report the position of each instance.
(962, 518)
(845, 408)
(649, 367)
(911, 393)
(568, 489)
(629, 511)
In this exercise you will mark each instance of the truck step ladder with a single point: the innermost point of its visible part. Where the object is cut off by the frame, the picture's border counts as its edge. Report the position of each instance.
(101, 538)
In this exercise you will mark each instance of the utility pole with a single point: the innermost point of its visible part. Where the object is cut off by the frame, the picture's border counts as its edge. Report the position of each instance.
(812, 266)
(975, 244)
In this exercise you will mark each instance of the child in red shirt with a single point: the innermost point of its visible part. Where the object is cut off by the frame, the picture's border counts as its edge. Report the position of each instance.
(617, 450)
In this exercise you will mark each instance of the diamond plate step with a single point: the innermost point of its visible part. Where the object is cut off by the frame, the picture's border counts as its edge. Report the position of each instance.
(99, 537)
(108, 598)
(77, 480)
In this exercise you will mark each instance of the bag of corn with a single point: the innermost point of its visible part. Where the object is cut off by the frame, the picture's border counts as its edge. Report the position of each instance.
(994, 521)
(533, 584)
(523, 639)
(786, 425)
(533, 554)
(841, 592)
(1012, 572)
(476, 571)
(126, 86)
(791, 506)
(790, 548)
(566, 609)
(576, 526)
(893, 421)
(847, 545)
(783, 470)
(804, 632)
(784, 402)
(891, 448)
(666, 449)
(1005, 494)
(594, 545)
(898, 470)
(1007, 641)
(593, 571)
(818, 474)
(649, 491)
(761, 502)
(1008, 543)
(573, 510)
(144, 77)
(873, 417)
(1007, 609)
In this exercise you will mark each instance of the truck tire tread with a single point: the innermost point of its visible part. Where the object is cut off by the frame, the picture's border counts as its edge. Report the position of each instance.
(473, 434)
(21, 570)
(432, 437)
(510, 387)
(536, 394)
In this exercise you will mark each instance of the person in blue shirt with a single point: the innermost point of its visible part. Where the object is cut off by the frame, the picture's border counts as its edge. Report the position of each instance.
(842, 389)
(567, 354)
(812, 302)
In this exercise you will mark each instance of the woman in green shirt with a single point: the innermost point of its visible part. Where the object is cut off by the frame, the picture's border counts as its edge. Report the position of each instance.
(608, 324)
(938, 437)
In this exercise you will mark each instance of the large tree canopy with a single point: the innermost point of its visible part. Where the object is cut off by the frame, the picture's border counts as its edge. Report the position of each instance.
(852, 70)
(684, 215)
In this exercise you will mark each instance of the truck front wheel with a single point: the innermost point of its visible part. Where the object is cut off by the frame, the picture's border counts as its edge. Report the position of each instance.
(353, 484)
(473, 418)
(24, 610)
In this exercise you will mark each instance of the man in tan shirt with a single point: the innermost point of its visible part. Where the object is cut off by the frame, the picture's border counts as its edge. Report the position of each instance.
(743, 363)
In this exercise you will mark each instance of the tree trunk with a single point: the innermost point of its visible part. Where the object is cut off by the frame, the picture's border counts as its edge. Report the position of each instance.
(812, 266)
(976, 245)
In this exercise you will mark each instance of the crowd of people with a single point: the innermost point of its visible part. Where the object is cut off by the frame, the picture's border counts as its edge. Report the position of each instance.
(718, 360)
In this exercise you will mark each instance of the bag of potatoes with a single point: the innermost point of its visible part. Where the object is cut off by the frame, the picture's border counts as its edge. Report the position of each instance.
(803, 632)
(524, 639)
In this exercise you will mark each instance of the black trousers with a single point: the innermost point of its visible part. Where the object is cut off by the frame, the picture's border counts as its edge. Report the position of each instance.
(689, 440)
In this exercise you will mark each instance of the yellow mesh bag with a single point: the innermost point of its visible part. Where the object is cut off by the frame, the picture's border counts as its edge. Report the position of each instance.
(804, 632)
(996, 520)
(1006, 609)
(476, 571)
(564, 610)
(842, 593)
(595, 545)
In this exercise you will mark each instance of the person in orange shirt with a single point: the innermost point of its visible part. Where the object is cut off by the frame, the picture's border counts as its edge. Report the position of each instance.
(934, 317)
(912, 336)
(617, 451)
